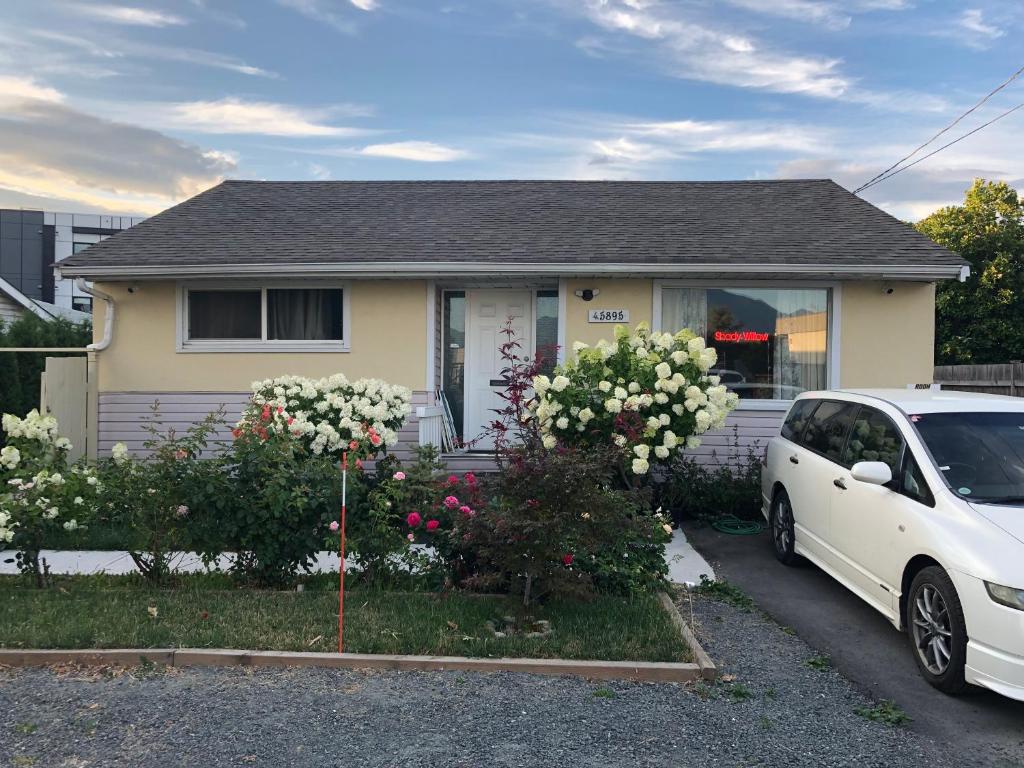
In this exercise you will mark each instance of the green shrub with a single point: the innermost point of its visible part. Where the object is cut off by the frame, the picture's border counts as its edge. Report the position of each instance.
(20, 371)
(707, 492)
(155, 495)
(40, 493)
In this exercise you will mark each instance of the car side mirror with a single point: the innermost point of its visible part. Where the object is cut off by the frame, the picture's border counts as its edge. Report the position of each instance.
(874, 472)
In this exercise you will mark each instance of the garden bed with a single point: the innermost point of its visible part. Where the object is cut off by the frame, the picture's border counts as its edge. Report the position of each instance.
(201, 612)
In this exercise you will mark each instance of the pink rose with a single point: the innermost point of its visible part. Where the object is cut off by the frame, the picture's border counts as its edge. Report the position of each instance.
(334, 526)
(432, 525)
(410, 537)
(413, 519)
(452, 480)
(470, 478)
(399, 475)
(353, 445)
(464, 509)
(451, 502)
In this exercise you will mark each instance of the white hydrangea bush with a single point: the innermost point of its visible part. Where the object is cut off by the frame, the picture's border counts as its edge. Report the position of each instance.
(331, 414)
(39, 492)
(651, 394)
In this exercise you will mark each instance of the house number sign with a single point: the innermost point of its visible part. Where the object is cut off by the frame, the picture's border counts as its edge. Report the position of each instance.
(608, 316)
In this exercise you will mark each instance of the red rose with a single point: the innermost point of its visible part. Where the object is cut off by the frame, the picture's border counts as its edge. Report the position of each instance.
(567, 558)
(413, 519)
(470, 478)
(432, 525)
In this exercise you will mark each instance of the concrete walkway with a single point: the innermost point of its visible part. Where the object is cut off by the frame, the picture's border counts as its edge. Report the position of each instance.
(685, 565)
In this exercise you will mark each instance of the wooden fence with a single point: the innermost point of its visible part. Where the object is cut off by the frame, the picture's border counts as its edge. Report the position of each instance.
(995, 379)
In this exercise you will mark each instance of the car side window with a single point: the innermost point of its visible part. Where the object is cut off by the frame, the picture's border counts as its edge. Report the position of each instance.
(829, 427)
(912, 482)
(874, 437)
(796, 420)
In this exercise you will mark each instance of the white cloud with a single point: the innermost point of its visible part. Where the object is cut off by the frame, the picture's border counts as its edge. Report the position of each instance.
(319, 172)
(120, 14)
(365, 5)
(731, 135)
(323, 12)
(812, 11)
(419, 151)
(978, 32)
(696, 51)
(51, 150)
(231, 115)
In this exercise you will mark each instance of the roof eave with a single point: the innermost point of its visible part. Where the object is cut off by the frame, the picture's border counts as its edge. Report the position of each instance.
(913, 272)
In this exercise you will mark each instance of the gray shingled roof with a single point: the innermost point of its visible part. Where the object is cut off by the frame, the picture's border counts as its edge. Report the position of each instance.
(815, 223)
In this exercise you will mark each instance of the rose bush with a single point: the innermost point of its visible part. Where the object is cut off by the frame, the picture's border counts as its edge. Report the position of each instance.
(40, 493)
(329, 415)
(649, 394)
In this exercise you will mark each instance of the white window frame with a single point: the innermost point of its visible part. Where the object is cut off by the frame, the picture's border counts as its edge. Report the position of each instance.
(184, 344)
(833, 340)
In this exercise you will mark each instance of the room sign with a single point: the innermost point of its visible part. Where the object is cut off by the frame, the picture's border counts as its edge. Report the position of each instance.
(608, 316)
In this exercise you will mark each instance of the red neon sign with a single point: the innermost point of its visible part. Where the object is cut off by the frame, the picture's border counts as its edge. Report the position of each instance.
(741, 336)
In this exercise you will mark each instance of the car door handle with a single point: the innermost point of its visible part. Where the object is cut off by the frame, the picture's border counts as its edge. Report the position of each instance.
(794, 460)
(839, 483)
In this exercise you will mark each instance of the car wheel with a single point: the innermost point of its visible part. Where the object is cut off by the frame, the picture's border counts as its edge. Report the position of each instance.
(783, 530)
(937, 631)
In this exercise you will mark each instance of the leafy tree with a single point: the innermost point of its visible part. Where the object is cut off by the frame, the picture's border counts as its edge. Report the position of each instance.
(980, 321)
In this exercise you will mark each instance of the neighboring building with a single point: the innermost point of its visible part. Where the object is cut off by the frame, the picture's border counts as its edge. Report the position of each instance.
(31, 242)
(798, 284)
(14, 303)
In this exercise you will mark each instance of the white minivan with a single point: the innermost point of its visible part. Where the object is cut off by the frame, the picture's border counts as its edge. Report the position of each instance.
(914, 500)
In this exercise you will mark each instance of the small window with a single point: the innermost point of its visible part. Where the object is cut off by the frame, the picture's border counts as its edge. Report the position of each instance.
(304, 314)
(912, 482)
(796, 420)
(79, 247)
(829, 427)
(224, 315)
(874, 438)
(82, 303)
(547, 330)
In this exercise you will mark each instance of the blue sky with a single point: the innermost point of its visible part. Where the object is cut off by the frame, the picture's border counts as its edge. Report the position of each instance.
(130, 107)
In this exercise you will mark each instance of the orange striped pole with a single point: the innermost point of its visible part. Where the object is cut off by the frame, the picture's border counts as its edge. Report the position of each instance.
(341, 569)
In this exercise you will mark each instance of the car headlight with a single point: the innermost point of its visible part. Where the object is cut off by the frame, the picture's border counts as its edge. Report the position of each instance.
(1008, 596)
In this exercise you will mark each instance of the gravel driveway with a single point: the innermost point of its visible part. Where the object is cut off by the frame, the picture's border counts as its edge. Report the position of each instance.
(771, 710)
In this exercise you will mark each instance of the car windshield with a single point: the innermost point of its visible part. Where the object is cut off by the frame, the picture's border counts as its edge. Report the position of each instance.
(981, 455)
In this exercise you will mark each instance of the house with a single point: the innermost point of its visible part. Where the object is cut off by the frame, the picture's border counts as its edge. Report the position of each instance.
(31, 242)
(798, 284)
(14, 303)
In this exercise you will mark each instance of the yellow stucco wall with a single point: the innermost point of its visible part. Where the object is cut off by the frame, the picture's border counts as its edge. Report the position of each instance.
(888, 340)
(388, 340)
(635, 295)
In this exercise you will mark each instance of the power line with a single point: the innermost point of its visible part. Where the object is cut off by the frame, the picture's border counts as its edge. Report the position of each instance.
(879, 180)
(902, 160)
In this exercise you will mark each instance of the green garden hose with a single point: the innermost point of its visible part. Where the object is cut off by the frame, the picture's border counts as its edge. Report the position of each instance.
(736, 527)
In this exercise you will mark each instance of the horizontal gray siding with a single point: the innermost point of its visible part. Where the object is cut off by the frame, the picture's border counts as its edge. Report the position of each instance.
(123, 416)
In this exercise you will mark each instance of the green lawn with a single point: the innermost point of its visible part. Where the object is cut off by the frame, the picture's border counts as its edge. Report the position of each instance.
(114, 612)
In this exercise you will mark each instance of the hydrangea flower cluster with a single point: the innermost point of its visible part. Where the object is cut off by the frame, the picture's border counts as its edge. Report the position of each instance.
(332, 414)
(651, 394)
(37, 489)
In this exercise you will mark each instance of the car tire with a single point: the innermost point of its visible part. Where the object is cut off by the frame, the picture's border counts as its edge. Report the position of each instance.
(783, 530)
(937, 630)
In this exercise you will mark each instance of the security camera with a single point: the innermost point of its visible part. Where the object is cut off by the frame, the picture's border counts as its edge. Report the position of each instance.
(588, 294)
(888, 290)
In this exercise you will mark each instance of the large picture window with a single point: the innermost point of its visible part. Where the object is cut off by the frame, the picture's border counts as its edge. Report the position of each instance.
(243, 319)
(772, 343)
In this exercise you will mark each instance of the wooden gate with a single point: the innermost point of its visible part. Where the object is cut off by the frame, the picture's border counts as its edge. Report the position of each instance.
(64, 393)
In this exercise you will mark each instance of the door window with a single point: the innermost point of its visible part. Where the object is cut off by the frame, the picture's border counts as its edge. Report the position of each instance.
(828, 428)
(796, 420)
(912, 482)
(874, 437)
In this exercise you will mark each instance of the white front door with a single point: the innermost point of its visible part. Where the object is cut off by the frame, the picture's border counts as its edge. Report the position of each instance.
(488, 312)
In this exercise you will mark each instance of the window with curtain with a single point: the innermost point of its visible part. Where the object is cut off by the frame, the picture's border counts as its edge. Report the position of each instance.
(772, 343)
(265, 314)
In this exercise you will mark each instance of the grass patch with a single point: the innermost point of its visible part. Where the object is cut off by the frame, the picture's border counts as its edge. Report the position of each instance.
(724, 592)
(820, 663)
(885, 711)
(205, 612)
(604, 693)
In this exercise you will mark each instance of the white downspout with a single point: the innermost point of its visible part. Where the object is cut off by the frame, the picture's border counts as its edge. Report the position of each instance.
(108, 322)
